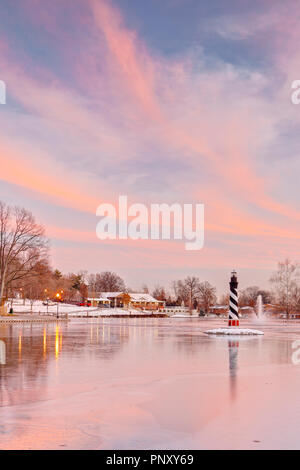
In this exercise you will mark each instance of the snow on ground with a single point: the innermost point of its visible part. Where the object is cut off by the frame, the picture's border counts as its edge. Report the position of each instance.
(182, 315)
(70, 309)
(233, 331)
(109, 312)
(39, 308)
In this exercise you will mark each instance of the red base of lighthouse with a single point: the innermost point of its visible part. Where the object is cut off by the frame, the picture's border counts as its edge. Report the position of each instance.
(233, 322)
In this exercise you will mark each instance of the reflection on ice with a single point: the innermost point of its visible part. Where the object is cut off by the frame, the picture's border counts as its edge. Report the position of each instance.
(233, 348)
(146, 383)
(2, 352)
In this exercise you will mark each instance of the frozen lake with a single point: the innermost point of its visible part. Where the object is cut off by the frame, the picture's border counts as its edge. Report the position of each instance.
(148, 383)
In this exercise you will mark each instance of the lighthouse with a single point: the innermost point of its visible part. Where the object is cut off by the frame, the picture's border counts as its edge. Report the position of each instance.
(233, 301)
(233, 322)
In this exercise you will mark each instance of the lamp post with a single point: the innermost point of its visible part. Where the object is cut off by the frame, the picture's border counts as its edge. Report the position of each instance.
(46, 299)
(57, 297)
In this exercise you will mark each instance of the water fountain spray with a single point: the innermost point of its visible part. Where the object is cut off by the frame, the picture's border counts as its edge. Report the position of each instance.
(259, 308)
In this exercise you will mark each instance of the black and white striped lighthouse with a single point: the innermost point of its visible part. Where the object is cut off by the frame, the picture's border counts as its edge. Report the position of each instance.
(233, 301)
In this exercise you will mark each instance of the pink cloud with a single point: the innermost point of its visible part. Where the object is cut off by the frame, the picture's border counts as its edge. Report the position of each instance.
(124, 104)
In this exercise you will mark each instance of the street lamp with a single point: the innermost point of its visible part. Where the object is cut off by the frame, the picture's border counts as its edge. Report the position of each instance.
(46, 299)
(58, 297)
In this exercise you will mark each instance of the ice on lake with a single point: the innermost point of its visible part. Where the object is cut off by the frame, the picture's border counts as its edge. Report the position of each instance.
(148, 384)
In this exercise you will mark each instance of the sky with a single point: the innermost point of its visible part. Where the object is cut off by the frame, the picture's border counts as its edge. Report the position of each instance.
(178, 101)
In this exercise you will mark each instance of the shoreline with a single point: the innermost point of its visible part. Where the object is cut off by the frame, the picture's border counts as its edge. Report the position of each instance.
(32, 319)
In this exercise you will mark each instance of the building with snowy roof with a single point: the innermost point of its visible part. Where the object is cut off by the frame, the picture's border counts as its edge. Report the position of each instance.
(137, 300)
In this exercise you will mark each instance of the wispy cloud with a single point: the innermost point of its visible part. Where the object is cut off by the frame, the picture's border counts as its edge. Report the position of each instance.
(100, 113)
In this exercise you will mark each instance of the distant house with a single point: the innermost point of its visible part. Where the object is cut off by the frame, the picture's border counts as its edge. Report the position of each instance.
(224, 310)
(219, 310)
(178, 310)
(104, 299)
(247, 310)
(277, 311)
(98, 301)
(273, 310)
(140, 301)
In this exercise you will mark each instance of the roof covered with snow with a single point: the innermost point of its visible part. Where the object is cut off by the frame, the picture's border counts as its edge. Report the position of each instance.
(110, 295)
(134, 296)
(99, 299)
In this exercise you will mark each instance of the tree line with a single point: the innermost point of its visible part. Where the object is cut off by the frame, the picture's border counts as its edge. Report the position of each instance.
(25, 270)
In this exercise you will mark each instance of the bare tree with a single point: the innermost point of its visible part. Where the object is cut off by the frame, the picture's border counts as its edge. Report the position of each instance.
(23, 247)
(296, 298)
(206, 295)
(159, 293)
(181, 292)
(109, 282)
(285, 280)
(91, 284)
(191, 286)
(248, 296)
(35, 284)
(76, 286)
(186, 290)
(224, 299)
(83, 290)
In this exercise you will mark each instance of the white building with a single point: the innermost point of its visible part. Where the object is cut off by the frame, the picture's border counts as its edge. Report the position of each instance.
(140, 301)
